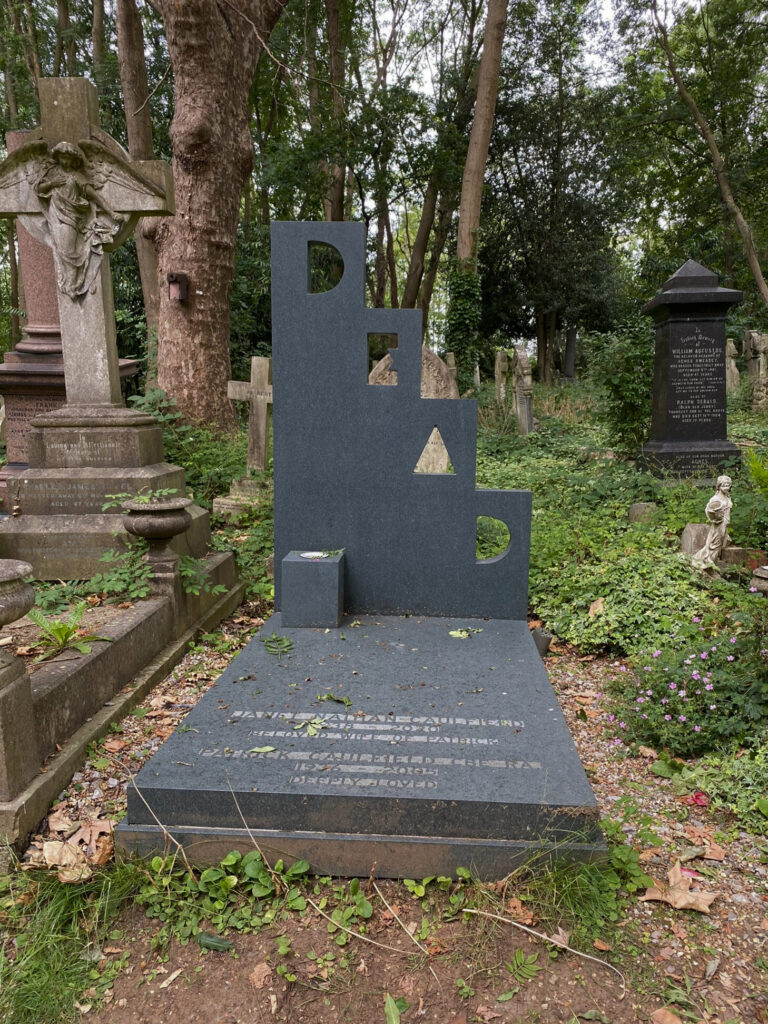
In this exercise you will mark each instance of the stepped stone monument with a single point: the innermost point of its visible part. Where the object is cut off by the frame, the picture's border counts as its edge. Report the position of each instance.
(77, 191)
(689, 429)
(420, 732)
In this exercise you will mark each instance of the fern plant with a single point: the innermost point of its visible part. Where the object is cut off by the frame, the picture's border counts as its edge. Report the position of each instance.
(58, 635)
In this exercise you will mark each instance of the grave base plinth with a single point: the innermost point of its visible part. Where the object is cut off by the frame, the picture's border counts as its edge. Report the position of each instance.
(70, 547)
(701, 459)
(387, 745)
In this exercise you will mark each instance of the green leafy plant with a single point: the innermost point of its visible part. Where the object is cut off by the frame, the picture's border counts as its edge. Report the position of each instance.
(523, 968)
(58, 635)
(144, 496)
(621, 366)
(129, 577)
(737, 781)
(277, 645)
(195, 579)
(708, 683)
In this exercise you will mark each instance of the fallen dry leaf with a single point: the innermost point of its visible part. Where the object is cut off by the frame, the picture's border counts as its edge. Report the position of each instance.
(260, 975)
(560, 938)
(678, 892)
(596, 607)
(602, 946)
(714, 852)
(665, 1016)
(647, 752)
(58, 854)
(171, 978)
(520, 913)
(115, 745)
(59, 822)
(90, 831)
(486, 1013)
(75, 874)
(102, 854)
(83, 1007)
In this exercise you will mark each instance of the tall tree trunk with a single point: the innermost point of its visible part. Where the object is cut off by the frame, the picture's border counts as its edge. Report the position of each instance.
(445, 213)
(334, 198)
(27, 33)
(718, 163)
(419, 249)
(480, 136)
(214, 46)
(133, 79)
(97, 43)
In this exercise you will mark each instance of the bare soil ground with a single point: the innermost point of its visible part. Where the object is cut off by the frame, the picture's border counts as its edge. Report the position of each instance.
(680, 965)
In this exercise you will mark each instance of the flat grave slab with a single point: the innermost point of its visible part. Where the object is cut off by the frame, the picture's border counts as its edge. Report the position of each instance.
(451, 751)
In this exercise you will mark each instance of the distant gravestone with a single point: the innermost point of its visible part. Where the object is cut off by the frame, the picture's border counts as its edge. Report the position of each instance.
(500, 370)
(423, 734)
(732, 376)
(755, 345)
(437, 381)
(689, 431)
(523, 377)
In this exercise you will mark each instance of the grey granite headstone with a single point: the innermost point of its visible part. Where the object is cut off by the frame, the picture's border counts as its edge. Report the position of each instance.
(689, 430)
(345, 460)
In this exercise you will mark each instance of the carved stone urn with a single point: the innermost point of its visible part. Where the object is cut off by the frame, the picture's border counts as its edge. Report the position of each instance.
(157, 522)
(16, 596)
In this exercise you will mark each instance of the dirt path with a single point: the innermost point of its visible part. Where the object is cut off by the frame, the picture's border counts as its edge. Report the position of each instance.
(703, 967)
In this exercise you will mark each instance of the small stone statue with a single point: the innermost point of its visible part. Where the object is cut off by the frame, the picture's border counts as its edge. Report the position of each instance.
(718, 513)
(79, 220)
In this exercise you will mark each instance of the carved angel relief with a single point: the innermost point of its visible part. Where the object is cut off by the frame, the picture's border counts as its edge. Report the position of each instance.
(69, 187)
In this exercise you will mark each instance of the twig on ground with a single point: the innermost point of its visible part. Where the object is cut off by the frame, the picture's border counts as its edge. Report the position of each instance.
(355, 935)
(546, 938)
(411, 937)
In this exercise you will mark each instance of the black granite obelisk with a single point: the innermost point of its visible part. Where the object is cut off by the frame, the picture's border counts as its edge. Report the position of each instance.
(689, 424)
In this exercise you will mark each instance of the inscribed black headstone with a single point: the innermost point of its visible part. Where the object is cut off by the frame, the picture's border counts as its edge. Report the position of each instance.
(689, 424)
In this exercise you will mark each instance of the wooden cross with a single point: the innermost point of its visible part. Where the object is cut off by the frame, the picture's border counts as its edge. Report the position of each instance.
(77, 190)
(258, 392)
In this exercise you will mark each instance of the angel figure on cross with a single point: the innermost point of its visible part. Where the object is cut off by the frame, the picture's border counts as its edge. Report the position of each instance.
(79, 221)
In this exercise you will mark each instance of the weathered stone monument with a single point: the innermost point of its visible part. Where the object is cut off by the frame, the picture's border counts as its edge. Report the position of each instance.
(423, 734)
(500, 370)
(689, 430)
(756, 346)
(437, 381)
(732, 375)
(523, 377)
(76, 190)
(32, 374)
(257, 392)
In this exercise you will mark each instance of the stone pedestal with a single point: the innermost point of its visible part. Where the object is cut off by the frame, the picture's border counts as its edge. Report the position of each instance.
(313, 589)
(18, 745)
(689, 424)
(79, 457)
(243, 497)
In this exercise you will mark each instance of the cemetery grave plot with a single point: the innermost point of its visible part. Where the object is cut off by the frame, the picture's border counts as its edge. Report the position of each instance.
(475, 759)
(445, 745)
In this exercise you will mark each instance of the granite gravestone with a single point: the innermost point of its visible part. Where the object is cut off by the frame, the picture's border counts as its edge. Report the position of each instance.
(77, 191)
(689, 423)
(397, 744)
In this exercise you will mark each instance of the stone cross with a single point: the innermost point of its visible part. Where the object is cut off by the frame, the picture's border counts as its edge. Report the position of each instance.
(258, 392)
(77, 190)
